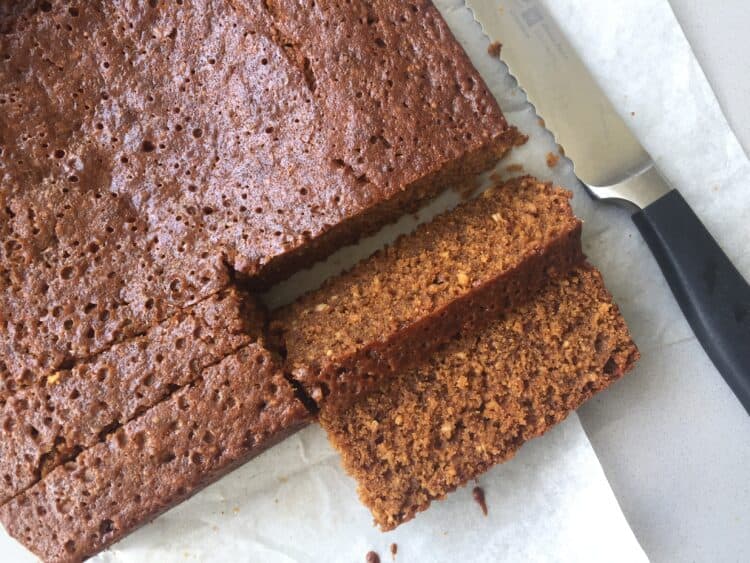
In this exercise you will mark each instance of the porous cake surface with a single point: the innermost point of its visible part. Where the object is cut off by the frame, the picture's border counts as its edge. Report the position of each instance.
(234, 411)
(151, 151)
(475, 403)
(49, 423)
(460, 270)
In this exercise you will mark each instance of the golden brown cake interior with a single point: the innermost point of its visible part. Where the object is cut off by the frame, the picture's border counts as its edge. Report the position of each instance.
(462, 269)
(473, 404)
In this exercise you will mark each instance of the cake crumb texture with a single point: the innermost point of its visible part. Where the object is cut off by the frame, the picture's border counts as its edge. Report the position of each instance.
(396, 307)
(434, 428)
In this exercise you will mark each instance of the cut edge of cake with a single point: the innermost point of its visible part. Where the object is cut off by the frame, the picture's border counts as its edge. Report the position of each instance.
(479, 400)
(411, 198)
(489, 254)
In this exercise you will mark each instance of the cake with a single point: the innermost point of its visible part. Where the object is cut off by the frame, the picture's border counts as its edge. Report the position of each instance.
(396, 307)
(156, 158)
(235, 410)
(161, 161)
(472, 405)
(164, 150)
(47, 424)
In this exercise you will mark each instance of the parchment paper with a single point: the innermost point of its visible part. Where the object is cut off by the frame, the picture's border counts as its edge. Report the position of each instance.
(552, 502)
(672, 438)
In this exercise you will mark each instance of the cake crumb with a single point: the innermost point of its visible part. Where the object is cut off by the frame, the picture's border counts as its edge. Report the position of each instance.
(394, 550)
(372, 557)
(552, 159)
(514, 168)
(54, 379)
(494, 49)
(453, 260)
(478, 494)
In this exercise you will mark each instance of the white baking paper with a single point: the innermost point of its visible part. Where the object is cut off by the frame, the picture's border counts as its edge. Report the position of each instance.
(552, 502)
(672, 438)
(295, 504)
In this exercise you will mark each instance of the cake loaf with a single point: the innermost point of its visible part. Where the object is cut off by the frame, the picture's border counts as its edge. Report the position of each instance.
(395, 308)
(234, 411)
(46, 425)
(163, 149)
(472, 405)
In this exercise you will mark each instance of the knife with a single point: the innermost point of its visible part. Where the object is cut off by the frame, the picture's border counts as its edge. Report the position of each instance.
(613, 166)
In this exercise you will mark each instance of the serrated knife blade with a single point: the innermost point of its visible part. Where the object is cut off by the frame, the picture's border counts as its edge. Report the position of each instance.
(612, 164)
(555, 80)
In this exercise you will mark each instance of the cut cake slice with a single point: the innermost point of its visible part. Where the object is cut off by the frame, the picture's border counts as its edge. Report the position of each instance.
(395, 308)
(475, 403)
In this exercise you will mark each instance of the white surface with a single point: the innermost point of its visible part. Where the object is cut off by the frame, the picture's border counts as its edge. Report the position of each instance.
(673, 440)
(295, 503)
(718, 33)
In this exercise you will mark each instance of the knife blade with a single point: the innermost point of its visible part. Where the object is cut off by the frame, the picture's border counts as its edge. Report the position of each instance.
(612, 165)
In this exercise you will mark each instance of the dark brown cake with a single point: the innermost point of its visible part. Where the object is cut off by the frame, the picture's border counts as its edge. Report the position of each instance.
(151, 151)
(237, 409)
(46, 425)
(475, 403)
(460, 270)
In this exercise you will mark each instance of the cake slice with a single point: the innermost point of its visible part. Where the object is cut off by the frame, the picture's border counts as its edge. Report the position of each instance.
(472, 405)
(234, 411)
(396, 307)
(164, 149)
(50, 422)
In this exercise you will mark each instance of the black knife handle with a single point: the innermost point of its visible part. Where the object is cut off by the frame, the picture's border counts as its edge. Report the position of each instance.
(713, 295)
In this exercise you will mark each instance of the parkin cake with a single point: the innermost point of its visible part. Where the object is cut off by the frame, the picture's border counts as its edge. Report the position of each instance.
(485, 394)
(164, 149)
(395, 308)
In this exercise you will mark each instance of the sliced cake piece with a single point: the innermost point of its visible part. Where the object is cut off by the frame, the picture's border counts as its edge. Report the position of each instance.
(462, 269)
(238, 408)
(51, 421)
(187, 142)
(472, 405)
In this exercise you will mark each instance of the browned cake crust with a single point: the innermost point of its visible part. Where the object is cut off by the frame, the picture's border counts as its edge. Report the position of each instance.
(46, 425)
(237, 409)
(150, 152)
(476, 402)
(395, 308)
